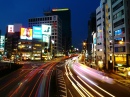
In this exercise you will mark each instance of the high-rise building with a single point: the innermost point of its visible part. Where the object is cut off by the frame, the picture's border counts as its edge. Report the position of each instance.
(108, 35)
(91, 30)
(65, 16)
(121, 32)
(2, 44)
(100, 33)
(24, 47)
(113, 19)
(56, 28)
(11, 39)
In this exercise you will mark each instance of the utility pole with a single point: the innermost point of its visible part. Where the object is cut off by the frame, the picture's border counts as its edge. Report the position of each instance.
(84, 50)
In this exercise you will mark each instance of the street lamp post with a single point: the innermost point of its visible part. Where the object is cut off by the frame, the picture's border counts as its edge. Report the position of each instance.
(84, 50)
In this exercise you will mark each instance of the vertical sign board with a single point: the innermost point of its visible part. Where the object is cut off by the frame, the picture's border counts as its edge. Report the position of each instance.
(94, 41)
(10, 28)
(46, 29)
(46, 38)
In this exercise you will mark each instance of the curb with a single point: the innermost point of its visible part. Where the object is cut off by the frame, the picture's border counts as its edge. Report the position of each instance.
(127, 85)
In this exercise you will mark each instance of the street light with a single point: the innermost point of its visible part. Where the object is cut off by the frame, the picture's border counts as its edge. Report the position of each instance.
(84, 46)
(84, 49)
(84, 43)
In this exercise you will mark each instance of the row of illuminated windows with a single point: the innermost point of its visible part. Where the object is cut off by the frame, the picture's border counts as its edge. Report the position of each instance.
(40, 19)
(24, 43)
(36, 51)
(24, 46)
(40, 22)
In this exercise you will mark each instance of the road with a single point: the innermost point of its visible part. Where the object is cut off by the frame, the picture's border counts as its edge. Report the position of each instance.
(83, 81)
(33, 79)
(70, 79)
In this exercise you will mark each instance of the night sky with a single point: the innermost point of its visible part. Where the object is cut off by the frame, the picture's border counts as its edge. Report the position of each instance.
(19, 11)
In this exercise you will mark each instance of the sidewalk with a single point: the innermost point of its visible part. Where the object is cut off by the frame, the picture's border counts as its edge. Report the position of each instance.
(117, 76)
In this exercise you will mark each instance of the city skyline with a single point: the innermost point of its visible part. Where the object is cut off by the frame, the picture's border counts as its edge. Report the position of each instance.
(16, 13)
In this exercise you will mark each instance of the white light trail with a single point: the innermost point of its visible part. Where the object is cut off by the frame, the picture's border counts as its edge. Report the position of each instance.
(94, 83)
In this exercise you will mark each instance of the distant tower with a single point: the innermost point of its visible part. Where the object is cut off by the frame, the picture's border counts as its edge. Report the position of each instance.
(91, 29)
(65, 15)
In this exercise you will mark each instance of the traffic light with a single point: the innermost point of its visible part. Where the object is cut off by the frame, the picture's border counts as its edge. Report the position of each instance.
(45, 50)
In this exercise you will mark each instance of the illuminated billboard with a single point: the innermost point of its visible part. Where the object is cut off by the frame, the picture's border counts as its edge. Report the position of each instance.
(37, 33)
(46, 29)
(61, 9)
(26, 33)
(94, 38)
(10, 28)
(46, 38)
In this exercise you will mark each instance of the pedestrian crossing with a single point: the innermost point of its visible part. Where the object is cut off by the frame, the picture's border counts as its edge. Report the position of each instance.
(62, 91)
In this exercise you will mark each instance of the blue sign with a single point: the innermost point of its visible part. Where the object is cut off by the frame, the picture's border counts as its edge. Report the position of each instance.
(94, 40)
(37, 33)
(46, 38)
(118, 32)
(119, 39)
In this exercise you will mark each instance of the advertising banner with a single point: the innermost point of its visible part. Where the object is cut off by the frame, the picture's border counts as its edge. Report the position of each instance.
(46, 38)
(37, 33)
(94, 38)
(26, 33)
(46, 29)
(10, 28)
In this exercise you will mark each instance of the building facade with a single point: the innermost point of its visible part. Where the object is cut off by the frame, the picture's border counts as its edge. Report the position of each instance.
(113, 27)
(91, 29)
(100, 33)
(2, 44)
(65, 16)
(121, 30)
(11, 39)
(56, 25)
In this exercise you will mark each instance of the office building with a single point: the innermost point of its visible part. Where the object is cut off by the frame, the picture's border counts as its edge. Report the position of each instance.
(11, 39)
(113, 19)
(121, 29)
(100, 34)
(56, 30)
(24, 49)
(91, 31)
(2, 44)
(65, 16)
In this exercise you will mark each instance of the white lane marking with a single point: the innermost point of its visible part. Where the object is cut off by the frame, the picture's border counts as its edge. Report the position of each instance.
(91, 87)
(70, 93)
(95, 84)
